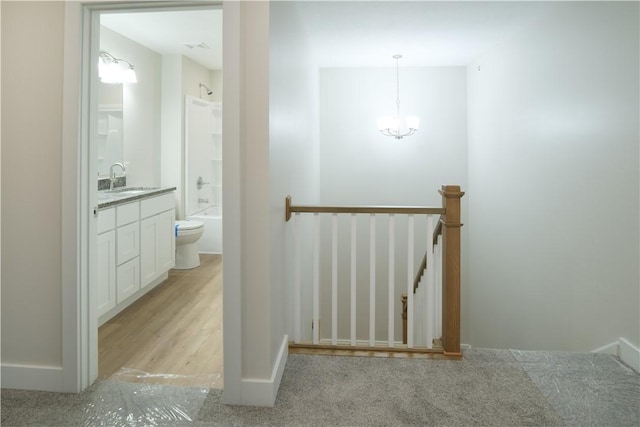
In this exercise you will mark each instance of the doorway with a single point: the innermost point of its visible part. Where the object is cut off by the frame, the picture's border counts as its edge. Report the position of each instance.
(172, 333)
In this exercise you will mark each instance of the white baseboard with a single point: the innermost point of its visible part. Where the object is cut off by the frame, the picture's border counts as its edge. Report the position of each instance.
(629, 354)
(31, 377)
(261, 392)
(608, 349)
(626, 351)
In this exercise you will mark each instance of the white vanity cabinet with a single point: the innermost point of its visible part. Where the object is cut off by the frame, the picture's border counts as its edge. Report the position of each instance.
(135, 249)
(157, 232)
(127, 250)
(106, 274)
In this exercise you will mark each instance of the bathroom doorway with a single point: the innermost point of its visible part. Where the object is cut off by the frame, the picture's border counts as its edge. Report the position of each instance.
(172, 333)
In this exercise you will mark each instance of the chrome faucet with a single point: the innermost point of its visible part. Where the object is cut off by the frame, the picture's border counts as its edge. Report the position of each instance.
(112, 174)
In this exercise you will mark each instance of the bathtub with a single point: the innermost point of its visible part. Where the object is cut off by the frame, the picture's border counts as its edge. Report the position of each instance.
(211, 240)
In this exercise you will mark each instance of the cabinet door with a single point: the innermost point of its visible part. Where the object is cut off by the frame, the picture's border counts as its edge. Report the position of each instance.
(128, 242)
(106, 280)
(166, 240)
(148, 248)
(128, 279)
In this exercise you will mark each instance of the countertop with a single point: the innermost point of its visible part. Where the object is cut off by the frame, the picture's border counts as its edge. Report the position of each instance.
(118, 196)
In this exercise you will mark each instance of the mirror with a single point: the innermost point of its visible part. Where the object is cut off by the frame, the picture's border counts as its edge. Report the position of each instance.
(109, 133)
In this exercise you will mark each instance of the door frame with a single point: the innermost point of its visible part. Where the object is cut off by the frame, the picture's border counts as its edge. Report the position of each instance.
(79, 200)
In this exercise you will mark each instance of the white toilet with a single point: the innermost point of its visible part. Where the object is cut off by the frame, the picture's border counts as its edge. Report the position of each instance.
(187, 235)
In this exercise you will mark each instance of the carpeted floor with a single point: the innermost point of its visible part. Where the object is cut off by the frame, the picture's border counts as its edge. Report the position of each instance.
(486, 388)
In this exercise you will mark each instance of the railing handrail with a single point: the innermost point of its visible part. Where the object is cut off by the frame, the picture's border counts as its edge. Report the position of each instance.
(401, 210)
(437, 232)
(420, 273)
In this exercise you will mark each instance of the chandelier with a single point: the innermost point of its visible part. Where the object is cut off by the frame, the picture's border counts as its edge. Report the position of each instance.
(391, 126)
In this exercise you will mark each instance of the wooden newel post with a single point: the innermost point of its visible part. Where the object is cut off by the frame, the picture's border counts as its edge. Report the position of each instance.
(451, 225)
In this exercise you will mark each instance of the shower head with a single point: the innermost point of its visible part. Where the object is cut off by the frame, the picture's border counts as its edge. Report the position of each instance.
(209, 91)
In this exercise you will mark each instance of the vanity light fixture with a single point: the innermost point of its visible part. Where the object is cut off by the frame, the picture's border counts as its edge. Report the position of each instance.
(390, 126)
(115, 70)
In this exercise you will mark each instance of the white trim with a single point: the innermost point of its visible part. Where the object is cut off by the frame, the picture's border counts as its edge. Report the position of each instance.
(629, 354)
(626, 351)
(74, 332)
(262, 392)
(32, 377)
(79, 323)
(232, 211)
(608, 349)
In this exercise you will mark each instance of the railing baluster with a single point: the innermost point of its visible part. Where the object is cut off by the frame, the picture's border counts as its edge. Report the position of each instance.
(438, 289)
(296, 279)
(429, 302)
(410, 227)
(334, 279)
(316, 278)
(372, 280)
(391, 295)
(353, 279)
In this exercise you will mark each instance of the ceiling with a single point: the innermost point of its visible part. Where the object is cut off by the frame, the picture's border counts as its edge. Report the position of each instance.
(368, 33)
(351, 33)
(167, 32)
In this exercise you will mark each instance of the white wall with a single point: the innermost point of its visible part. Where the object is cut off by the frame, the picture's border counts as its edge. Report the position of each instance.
(293, 145)
(359, 166)
(192, 75)
(215, 77)
(141, 108)
(553, 183)
(250, 341)
(32, 35)
(171, 133)
(180, 77)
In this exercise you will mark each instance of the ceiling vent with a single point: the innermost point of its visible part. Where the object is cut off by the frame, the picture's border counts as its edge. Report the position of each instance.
(201, 45)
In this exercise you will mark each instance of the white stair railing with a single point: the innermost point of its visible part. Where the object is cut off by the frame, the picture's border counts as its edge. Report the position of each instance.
(420, 319)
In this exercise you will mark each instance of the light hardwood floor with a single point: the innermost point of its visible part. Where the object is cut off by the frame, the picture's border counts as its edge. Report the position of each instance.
(172, 335)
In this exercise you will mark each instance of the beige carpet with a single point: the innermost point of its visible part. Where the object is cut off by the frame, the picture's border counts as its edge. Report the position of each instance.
(487, 388)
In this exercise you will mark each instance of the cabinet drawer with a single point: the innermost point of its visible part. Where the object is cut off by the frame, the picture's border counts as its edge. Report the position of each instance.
(126, 214)
(154, 205)
(106, 220)
(128, 279)
(128, 242)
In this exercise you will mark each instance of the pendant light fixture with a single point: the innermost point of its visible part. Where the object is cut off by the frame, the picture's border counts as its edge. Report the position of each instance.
(391, 126)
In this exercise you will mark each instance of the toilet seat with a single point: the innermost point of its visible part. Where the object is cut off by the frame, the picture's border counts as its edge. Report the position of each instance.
(189, 225)
(186, 228)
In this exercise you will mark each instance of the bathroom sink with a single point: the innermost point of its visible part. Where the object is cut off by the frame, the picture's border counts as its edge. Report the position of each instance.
(130, 191)
(119, 195)
(124, 193)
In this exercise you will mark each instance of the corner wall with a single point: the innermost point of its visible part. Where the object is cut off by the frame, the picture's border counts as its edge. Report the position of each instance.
(553, 183)
(293, 147)
(253, 334)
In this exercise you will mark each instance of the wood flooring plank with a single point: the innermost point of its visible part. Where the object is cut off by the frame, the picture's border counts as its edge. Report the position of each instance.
(173, 333)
